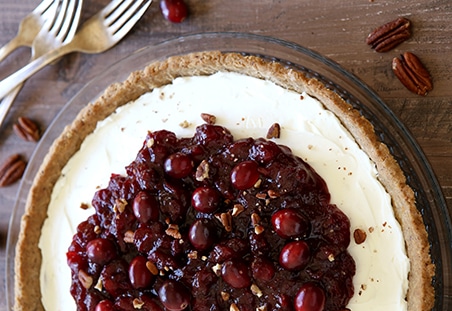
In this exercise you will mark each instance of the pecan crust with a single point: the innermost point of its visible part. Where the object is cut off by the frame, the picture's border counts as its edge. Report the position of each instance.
(412, 73)
(389, 35)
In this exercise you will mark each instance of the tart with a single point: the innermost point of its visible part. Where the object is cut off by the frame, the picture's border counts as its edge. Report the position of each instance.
(407, 226)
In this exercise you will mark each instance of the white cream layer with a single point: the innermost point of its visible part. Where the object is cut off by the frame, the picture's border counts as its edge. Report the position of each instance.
(247, 106)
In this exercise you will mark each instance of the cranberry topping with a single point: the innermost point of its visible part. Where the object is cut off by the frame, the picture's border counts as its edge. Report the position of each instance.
(206, 223)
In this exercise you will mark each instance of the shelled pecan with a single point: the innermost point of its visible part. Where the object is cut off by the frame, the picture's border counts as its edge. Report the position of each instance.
(389, 35)
(274, 131)
(209, 118)
(27, 129)
(11, 170)
(412, 73)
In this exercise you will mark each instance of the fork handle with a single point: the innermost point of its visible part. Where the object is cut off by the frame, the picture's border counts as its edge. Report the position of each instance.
(9, 83)
(7, 102)
(9, 47)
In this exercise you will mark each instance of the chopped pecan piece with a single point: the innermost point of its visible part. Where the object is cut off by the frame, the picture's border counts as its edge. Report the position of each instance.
(209, 118)
(274, 131)
(202, 171)
(137, 303)
(152, 267)
(85, 279)
(225, 296)
(226, 220)
(173, 231)
(237, 209)
(412, 73)
(128, 236)
(389, 35)
(360, 236)
(12, 170)
(120, 206)
(256, 290)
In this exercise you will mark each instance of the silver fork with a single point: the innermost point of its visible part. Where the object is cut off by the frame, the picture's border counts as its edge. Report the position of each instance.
(29, 27)
(56, 31)
(98, 34)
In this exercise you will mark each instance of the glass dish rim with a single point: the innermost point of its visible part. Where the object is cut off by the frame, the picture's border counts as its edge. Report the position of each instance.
(185, 45)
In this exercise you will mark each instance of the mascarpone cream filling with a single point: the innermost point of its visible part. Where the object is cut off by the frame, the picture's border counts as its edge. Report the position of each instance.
(247, 107)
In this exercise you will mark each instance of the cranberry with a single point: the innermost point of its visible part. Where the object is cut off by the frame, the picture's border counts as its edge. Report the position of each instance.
(205, 199)
(158, 154)
(212, 136)
(221, 253)
(245, 175)
(162, 137)
(201, 234)
(76, 261)
(146, 237)
(236, 274)
(105, 305)
(174, 295)
(285, 301)
(289, 223)
(139, 274)
(115, 279)
(145, 207)
(263, 269)
(101, 251)
(265, 151)
(174, 10)
(294, 255)
(202, 281)
(309, 297)
(178, 165)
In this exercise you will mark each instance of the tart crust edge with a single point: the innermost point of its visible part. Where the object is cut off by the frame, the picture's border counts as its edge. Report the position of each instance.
(28, 257)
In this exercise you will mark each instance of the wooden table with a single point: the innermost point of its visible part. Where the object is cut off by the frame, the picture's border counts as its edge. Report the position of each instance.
(335, 28)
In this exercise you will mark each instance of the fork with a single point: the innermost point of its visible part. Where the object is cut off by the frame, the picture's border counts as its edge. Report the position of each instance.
(57, 31)
(29, 27)
(98, 34)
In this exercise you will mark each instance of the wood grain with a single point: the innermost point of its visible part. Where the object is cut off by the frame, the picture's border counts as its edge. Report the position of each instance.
(336, 29)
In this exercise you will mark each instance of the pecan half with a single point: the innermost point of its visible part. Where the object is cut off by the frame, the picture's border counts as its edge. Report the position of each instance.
(389, 35)
(274, 131)
(412, 73)
(12, 170)
(209, 118)
(26, 129)
(360, 236)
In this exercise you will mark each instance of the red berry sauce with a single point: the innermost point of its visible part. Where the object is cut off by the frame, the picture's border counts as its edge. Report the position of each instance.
(206, 222)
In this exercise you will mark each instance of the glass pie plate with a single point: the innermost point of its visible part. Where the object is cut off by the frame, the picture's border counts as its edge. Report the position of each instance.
(391, 131)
